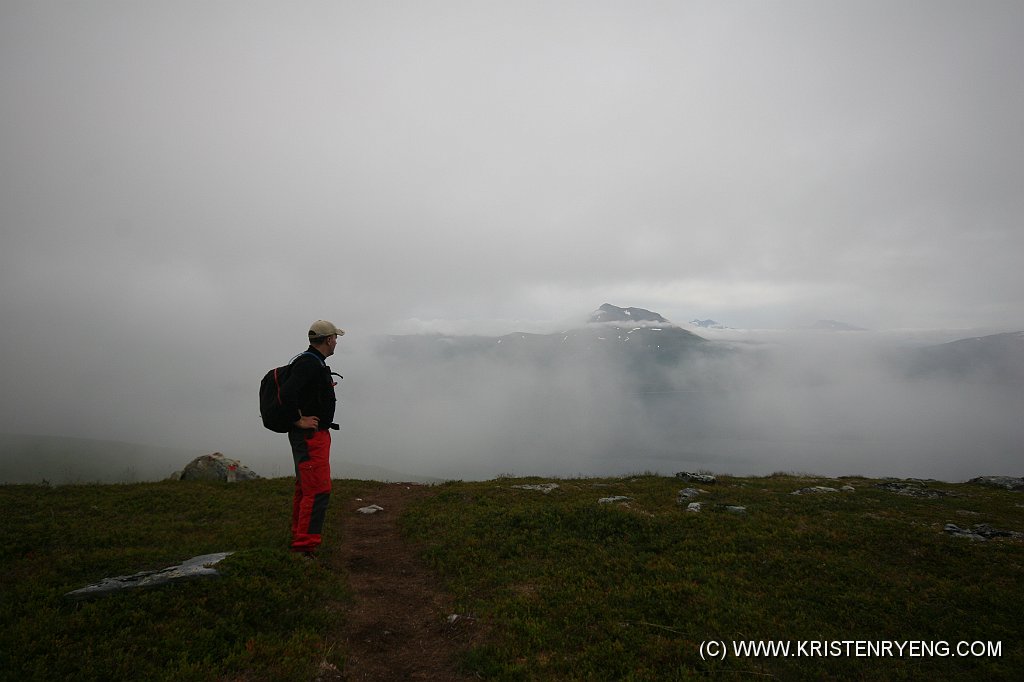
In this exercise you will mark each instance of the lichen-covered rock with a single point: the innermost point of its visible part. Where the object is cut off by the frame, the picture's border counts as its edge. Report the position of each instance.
(1007, 482)
(215, 467)
(981, 531)
(813, 490)
(912, 488)
(686, 494)
(696, 478)
(539, 487)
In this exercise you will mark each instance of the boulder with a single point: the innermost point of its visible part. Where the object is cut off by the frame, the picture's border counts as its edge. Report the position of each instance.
(614, 499)
(215, 467)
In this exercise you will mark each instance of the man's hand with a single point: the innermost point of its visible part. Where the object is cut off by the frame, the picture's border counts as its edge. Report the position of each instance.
(308, 422)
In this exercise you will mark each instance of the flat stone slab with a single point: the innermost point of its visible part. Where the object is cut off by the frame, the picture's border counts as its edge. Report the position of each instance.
(196, 567)
(912, 488)
(540, 487)
(687, 494)
(981, 531)
(696, 478)
(814, 490)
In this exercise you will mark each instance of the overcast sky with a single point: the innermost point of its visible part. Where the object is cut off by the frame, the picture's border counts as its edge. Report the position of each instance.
(194, 182)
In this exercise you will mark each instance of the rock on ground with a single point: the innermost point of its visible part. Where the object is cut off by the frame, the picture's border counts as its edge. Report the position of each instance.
(215, 467)
(981, 531)
(696, 478)
(195, 567)
(911, 489)
(1007, 482)
(541, 487)
(686, 494)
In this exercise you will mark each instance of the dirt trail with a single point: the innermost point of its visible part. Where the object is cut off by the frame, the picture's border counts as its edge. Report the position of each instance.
(397, 628)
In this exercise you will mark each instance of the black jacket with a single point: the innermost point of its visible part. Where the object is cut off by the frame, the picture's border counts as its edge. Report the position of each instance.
(310, 389)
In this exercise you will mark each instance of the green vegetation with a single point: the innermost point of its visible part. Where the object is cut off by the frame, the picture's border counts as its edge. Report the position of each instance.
(578, 590)
(270, 616)
(564, 587)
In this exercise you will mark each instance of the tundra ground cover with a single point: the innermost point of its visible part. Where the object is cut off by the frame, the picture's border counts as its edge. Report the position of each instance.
(630, 590)
(562, 586)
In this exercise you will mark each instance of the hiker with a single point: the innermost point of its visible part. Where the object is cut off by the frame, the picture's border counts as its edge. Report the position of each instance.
(308, 397)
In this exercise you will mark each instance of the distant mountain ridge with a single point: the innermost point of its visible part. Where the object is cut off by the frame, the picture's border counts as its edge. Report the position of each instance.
(997, 358)
(648, 344)
(634, 333)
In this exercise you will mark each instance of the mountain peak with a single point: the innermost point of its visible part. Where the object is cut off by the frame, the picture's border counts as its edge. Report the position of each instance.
(611, 313)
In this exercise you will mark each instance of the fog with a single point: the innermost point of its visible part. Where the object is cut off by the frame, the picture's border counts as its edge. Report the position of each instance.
(185, 186)
(745, 403)
(828, 405)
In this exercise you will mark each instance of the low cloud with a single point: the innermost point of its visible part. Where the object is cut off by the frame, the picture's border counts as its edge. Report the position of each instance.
(830, 405)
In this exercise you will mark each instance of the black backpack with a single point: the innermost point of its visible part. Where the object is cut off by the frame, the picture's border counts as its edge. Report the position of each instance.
(271, 409)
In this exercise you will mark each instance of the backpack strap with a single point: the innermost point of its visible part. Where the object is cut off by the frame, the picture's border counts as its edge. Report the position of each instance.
(322, 363)
(312, 355)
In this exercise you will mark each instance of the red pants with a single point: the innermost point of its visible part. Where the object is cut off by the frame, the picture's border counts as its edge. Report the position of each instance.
(312, 453)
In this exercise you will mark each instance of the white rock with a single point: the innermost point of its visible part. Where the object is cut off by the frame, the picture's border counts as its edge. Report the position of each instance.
(817, 489)
(542, 487)
(195, 567)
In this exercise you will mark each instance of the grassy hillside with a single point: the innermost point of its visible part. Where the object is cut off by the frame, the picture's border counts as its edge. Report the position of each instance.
(266, 614)
(567, 588)
(581, 590)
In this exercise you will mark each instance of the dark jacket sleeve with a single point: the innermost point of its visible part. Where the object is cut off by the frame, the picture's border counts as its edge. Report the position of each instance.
(301, 383)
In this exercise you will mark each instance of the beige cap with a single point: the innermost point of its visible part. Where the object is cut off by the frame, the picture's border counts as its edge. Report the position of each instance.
(322, 328)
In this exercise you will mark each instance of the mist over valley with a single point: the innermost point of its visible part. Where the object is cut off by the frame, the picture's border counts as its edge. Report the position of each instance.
(186, 187)
(624, 394)
(623, 391)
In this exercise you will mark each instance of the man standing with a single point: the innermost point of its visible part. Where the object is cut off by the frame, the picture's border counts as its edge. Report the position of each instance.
(308, 395)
